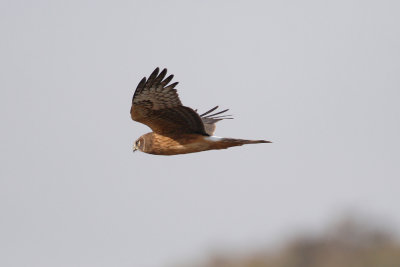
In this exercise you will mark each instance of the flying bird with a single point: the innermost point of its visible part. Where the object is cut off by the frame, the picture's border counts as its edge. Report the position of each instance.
(176, 129)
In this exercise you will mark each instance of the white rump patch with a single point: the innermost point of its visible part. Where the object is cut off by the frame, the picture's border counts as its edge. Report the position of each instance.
(214, 138)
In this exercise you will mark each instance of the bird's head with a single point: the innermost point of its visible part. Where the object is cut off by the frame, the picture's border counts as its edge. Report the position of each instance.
(139, 144)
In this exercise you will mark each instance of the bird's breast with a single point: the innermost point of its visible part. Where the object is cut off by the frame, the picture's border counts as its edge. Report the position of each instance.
(177, 144)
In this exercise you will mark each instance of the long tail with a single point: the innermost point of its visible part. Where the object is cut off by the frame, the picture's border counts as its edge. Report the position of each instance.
(223, 143)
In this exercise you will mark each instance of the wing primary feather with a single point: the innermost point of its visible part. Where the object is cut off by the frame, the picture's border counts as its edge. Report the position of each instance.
(172, 85)
(160, 77)
(224, 117)
(167, 80)
(151, 79)
(218, 113)
(140, 87)
(211, 110)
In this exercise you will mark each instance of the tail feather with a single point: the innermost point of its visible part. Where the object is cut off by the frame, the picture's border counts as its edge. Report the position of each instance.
(223, 143)
(244, 141)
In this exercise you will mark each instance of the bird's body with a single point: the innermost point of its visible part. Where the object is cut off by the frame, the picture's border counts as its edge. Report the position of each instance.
(177, 129)
(153, 143)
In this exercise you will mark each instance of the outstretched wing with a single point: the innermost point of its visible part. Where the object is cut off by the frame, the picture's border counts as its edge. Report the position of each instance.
(209, 120)
(157, 104)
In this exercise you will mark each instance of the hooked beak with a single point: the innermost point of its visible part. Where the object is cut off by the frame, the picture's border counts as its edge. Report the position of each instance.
(134, 149)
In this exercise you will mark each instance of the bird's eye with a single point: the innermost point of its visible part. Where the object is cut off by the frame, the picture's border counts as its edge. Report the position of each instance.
(138, 143)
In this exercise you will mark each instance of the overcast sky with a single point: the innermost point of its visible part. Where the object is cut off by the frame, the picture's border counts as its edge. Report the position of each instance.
(321, 80)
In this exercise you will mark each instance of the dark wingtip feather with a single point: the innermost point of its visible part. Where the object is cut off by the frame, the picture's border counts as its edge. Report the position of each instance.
(140, 87)
(141, 83)
(220, 112)
(152, 77)
(172, 85)
(160, 77)
(167, 80)
(207, 112)
(154, 73)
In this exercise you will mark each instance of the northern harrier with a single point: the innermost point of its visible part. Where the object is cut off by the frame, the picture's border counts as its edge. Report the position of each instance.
(177, 129)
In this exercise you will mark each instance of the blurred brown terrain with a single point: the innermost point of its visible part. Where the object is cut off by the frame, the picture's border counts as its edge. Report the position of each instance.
(348, 243)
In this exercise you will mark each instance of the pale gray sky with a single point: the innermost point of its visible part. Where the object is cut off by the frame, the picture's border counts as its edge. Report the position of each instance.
(318, 78)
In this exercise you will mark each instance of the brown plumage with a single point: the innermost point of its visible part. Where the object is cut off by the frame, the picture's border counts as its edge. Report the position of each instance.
(176, 129)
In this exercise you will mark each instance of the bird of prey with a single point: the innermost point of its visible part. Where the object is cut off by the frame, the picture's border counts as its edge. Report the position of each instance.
(176, 129)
